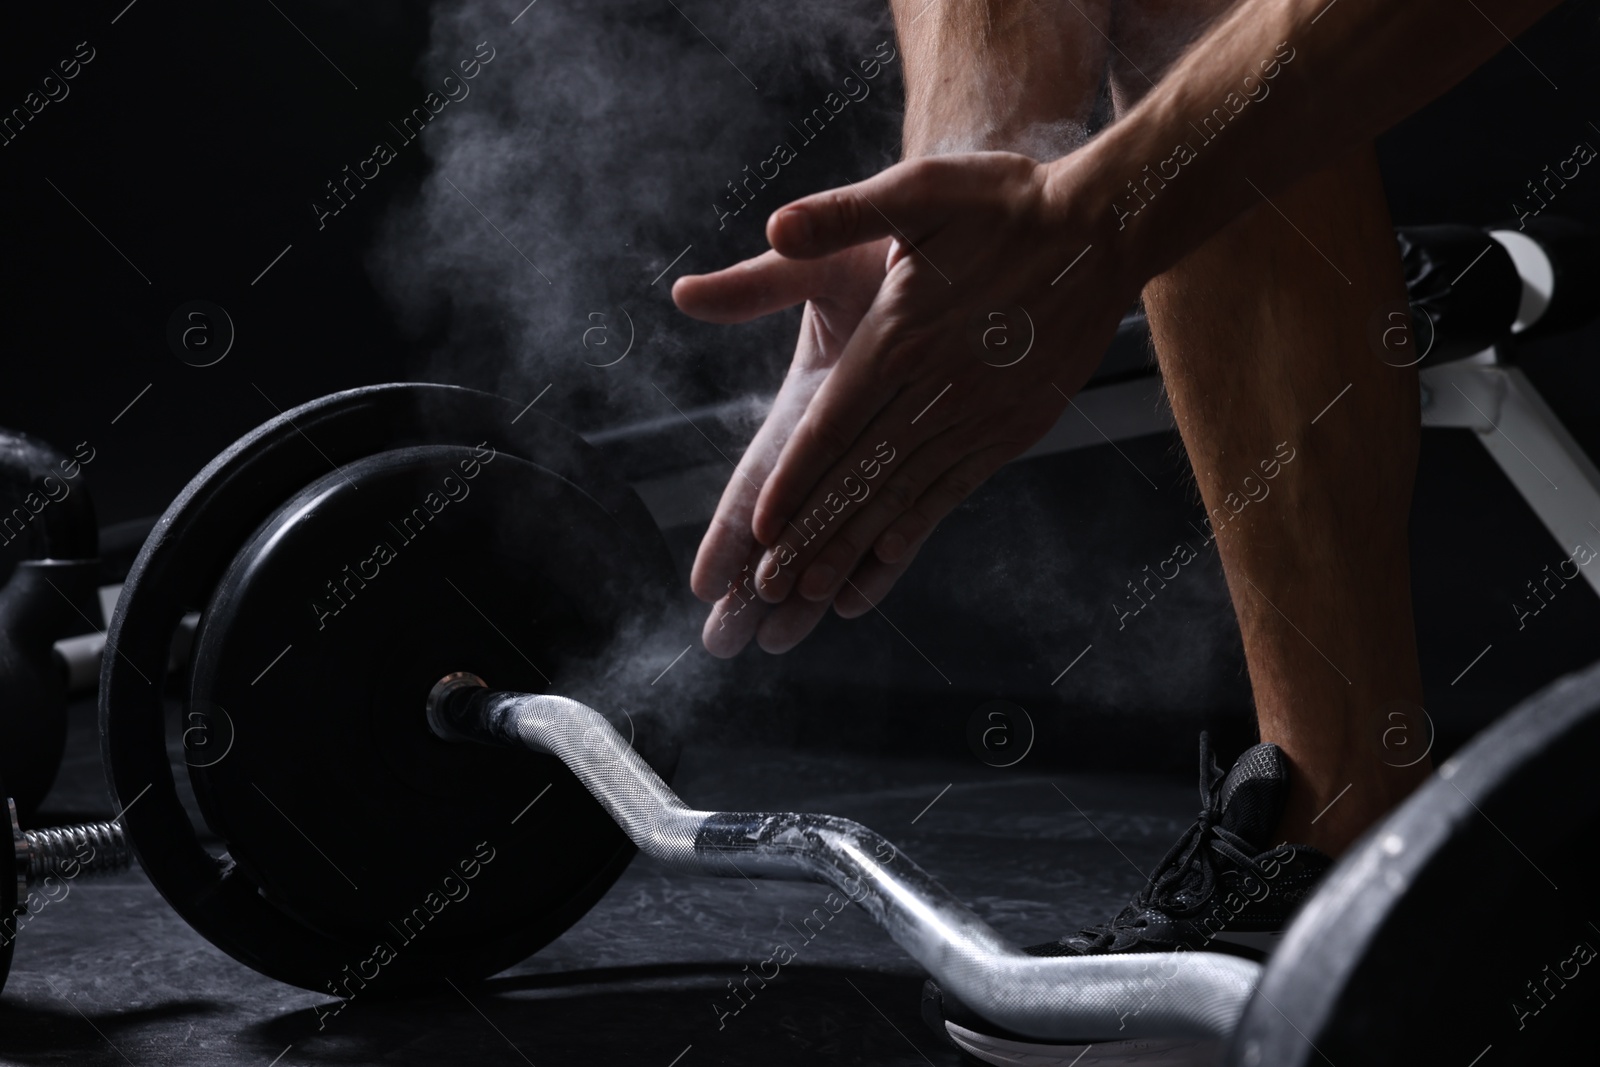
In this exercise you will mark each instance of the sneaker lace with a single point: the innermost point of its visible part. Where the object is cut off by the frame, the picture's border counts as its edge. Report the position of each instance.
(1182, 882)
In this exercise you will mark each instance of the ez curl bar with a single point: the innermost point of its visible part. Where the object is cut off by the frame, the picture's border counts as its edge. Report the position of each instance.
(361, 758)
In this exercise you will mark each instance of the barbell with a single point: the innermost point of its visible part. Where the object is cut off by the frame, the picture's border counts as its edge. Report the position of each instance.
(402, 725)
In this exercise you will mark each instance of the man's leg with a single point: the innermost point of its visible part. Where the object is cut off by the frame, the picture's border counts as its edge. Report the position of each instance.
(1261, 338)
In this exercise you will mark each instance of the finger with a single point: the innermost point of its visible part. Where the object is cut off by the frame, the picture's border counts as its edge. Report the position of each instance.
(727, 549)
(909, 198)
(871, 583)
(748, 290)
(821, 565)
(731, 624)
(728, 543)
(960, 482)
(787, 624)
(737, 613)
(833, 429)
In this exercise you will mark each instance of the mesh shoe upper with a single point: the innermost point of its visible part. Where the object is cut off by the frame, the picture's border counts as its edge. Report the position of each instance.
(1220, 876)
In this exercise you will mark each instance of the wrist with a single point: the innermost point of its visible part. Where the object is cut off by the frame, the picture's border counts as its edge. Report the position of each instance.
(1152, 186)
(1084, 195)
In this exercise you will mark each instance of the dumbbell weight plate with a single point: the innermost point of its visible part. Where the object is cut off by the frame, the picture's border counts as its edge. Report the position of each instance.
(13, 894)
(342, 815)
(336, 798)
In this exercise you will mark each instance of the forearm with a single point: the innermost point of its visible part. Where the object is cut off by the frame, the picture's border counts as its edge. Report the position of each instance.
(1018, 75)
(1276, 90)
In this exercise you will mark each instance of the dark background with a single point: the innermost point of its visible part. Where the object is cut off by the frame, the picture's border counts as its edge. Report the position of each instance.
(198, 135)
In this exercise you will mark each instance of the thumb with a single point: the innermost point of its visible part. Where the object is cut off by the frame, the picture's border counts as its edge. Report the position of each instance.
(748, 290)
(908, 198)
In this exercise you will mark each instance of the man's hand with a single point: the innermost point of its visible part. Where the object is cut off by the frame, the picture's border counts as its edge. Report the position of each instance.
(837, 291)
(918, 412)
(979, 74)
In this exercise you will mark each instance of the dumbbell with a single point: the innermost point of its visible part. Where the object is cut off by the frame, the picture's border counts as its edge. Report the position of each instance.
(35, 858)
(387, 820)
(50, 595)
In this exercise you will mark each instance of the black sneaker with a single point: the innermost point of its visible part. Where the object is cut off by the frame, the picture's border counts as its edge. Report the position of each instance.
(1221, 888)
(1221, 882)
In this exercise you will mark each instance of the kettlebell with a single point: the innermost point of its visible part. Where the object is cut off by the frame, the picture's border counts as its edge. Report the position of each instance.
(45, 511)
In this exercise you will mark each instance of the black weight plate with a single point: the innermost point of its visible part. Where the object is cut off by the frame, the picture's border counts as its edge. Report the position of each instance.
(273, 927)
(321, 644)
(1462, 929)
(12, 896)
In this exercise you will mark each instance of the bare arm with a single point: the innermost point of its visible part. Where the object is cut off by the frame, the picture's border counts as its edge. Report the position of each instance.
(1358, 67)
(991, 230)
